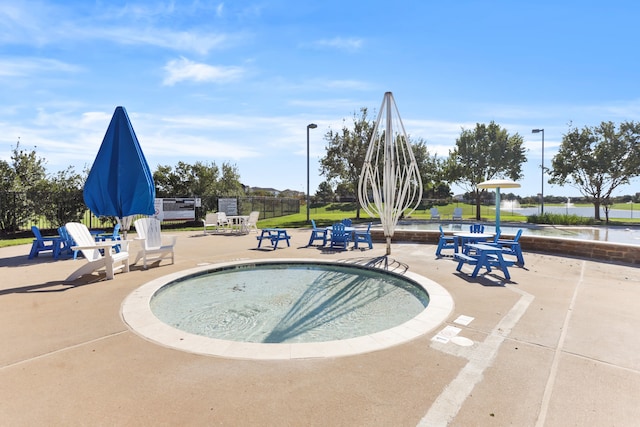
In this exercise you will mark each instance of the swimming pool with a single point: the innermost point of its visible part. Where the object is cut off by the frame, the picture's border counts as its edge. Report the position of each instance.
(624, 235)
(300, 330)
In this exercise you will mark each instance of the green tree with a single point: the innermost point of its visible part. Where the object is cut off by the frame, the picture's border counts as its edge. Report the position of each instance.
(60, 197)
(597, 160)
(325, 193)
(201, 179)
(345, 155)
(18, 180)
(484, 153)
(229, 184)
(431, 171)
(176, 182)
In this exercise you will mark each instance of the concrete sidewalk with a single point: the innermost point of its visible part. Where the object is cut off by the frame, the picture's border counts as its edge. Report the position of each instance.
(556, 346)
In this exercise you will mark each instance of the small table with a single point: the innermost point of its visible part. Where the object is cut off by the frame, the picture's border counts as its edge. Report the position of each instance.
(486, 256)
(274, 235)
(469, 237)
(239, 221)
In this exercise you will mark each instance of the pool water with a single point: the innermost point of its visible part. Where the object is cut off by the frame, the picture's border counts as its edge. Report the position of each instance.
(624, 235)
(288, 303)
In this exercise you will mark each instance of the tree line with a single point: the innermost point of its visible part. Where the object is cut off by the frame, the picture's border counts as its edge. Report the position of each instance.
(27, 192)
(595, 160)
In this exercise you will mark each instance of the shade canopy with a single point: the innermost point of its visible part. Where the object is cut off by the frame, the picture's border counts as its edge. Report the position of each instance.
(390, 184)
(120, 182)
(498, 184)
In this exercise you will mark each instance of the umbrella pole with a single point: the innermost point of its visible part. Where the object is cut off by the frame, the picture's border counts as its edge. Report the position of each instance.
(498, 212)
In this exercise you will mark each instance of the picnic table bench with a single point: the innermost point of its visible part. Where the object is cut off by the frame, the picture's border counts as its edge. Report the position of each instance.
(486, 256)
(274, 235)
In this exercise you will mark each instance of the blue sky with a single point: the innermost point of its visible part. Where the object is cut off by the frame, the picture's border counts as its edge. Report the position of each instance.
(239, 81)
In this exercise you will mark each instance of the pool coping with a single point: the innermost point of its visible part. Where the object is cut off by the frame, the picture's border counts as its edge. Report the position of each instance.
(137, 315)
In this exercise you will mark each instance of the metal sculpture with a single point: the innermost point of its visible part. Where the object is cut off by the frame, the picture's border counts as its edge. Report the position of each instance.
(390, 185)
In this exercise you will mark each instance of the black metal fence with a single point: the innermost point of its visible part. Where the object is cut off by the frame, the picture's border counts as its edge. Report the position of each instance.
(269, 207)
(21, 210)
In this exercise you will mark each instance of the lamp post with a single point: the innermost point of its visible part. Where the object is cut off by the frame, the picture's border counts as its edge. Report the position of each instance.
(542, 167)
(309, 126)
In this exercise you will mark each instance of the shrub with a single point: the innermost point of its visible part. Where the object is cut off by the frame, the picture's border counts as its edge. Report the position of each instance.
(560, 219)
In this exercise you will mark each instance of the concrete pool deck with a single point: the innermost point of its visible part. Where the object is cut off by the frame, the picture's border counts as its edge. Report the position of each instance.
(556, 346)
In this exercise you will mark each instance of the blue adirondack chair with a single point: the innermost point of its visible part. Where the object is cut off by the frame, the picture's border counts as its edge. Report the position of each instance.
(446, 242)
(43, 244)
(340, 238)
(115, 236)
(66, 242)
(476, 228)
(346, 222)
(512, 247)
(362, 236)
(317, 234)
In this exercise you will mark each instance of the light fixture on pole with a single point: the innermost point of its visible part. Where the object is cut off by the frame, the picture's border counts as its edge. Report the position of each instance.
(309, 126)
(542, 167)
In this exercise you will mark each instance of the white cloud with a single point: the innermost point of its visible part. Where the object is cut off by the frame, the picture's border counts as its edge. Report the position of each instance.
(348, 84)
(183, 41)
(347, 44)
(28, 66)
(186, 70)
(133, 25)
(220, 10)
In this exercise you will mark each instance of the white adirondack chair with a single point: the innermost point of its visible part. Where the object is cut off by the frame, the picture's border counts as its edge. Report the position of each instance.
(252, 221)
(85, 242)
(210, 220)
(223, 221)
(154, 246)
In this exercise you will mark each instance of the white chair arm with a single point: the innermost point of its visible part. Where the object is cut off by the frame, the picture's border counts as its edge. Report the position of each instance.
(96, 246)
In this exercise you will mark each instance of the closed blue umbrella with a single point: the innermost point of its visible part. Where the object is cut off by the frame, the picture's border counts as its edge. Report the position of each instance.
(120, 183)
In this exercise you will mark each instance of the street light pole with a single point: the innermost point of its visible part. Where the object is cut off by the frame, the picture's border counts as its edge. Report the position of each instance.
(309, 126)
(542, 167)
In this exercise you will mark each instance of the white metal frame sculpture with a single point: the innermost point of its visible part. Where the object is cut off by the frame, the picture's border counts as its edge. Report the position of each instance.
(390, 183)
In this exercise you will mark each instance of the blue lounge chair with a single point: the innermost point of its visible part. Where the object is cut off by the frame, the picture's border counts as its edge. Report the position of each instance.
(457, 214)
(317, 234)
(446, 242)
(340, 238)
(44, 244)
(363, 236)
(435, 214)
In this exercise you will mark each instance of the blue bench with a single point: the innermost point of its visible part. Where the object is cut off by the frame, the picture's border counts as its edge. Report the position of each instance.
(485, 256)
(274, 235)
(462, 259)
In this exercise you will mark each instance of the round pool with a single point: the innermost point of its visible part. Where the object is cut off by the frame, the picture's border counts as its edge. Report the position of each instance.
(284, 309)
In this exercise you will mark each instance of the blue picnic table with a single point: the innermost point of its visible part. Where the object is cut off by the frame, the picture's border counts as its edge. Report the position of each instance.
(274, 235)
(482, 255)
